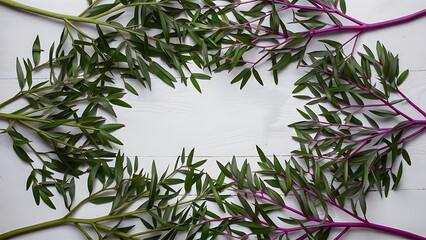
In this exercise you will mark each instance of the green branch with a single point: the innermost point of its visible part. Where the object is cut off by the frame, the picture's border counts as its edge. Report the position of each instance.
(64, 17)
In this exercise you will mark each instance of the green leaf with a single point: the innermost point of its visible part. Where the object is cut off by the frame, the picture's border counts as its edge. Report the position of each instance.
(120, 103)
(153, 186)
(240, 76)
(195, 83)
(246, 207)
(115, 16)
(398, 176)
(257, 76)
(305, 78)
(164, 26)
(342, 5)
(303, 114)
(29, 71)
(406, 156)
(331, 43)
(216, 195)
(20, 74)
(46, 199)
(311, 113)
(100, 9)
(285, 59)
(22, 154)
(246, 77)
(36, 51)
(118, 168)
(384, 113)
(402, 77)
(102, 200)
(238, 54)
(371, 121)
(274, 72)
(162, 73)
(201, 76)
(130, 88)
(224, 170)
(92, 177)
(194, 36)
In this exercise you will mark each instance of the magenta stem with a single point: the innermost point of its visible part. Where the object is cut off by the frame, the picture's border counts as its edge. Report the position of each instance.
(421, 111)
(396, 21)
(334, 138)
(342, 233)
(363, 106)
(382, 228)
(262, 196)
(326, 199)
(402, 140)
(396, 110)
(348, 125)
(371, 26)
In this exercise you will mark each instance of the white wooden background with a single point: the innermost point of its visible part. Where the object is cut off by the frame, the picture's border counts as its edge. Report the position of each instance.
(221, 122)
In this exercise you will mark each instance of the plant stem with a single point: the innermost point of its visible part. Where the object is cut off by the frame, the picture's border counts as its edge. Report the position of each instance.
(35, 227)
(12, 99)
(113, 10)
(421, 111)
(371, 26)
(94, 2)
(382, 228)
(384, 101)
(74, 209)
(63, 17)
(55, 223)
(40, 120)
(20, 6)
(66, 220)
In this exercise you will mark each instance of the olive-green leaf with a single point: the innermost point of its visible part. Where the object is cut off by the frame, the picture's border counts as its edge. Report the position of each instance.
(36, 51)
(20, 74)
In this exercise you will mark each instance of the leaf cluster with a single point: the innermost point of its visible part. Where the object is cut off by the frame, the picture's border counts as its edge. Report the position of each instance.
(355, 119)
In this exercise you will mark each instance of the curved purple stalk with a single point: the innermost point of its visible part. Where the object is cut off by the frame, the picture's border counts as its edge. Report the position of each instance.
(324, 223)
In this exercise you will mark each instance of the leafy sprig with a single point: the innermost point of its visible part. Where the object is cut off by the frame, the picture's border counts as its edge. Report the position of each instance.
(357, 120)
(283, 200)
(286, 200)
(162, 205)
(214, 35)
(279, 32)
(56, 126)
(135, 48)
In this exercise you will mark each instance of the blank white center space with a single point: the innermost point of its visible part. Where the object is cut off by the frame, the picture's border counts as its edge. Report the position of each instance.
(223, 120)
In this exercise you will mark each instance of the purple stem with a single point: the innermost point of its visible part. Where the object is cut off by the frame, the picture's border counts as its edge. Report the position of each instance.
(358, 149)
(371, 26)
(389, 131)
(421, 111)
(356, 40)
(327, 200)
(329, 224)
(365, 89)
(262, 196)
(348, 125)
(362, 106)
(302, 237)
(350, 39)
(402, 140)
(334, 138)
(369, 225)
(342, 233)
